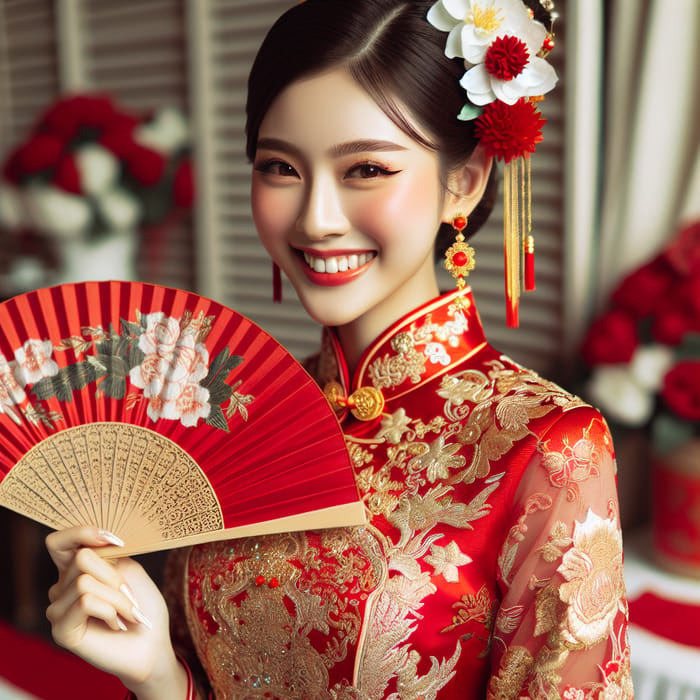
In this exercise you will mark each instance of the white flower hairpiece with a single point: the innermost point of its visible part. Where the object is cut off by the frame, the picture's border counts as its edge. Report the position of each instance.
(499, 41)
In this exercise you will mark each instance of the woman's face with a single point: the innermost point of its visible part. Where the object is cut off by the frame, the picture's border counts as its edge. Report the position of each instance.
(347, 204)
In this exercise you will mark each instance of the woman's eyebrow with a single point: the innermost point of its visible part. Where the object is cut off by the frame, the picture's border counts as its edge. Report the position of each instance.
(273, 144)
(363, 146)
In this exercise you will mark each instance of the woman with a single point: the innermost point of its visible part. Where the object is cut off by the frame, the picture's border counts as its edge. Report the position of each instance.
(491, 565)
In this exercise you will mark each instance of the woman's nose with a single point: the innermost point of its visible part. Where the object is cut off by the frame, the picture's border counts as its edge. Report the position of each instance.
(322, 214)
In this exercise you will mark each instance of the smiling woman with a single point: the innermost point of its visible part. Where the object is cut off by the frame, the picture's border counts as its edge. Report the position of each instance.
(491, 562)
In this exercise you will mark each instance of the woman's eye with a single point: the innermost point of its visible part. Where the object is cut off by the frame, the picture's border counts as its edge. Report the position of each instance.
(367, 171)
(276, 167)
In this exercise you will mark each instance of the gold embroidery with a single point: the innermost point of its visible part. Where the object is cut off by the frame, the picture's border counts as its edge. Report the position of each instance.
(515, 667)
(262, 608)
(573, 465)
(389, 372)
(594, 589)
(479, 607)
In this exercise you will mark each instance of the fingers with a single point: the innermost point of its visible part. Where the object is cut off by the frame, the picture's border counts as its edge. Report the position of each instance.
(89, 597)
(62, 545)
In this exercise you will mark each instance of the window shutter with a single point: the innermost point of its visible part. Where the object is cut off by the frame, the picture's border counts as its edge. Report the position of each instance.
(137, 52)
(233, 266)
(28, 81)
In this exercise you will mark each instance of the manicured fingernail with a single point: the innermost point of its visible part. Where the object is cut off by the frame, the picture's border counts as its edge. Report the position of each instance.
(129, 594)
(121, 624)
(141, 618)
(110, 537)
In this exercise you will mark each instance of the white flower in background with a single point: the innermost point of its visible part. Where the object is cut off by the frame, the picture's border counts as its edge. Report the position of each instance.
(58, 213)
(119, 209)
(98, 168)
(614, 390)
(166, 134)
(626, 392)
(11, 208)
(34, 361)
(650, 364)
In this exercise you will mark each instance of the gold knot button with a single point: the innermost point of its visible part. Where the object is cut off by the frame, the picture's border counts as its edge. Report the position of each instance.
(367, 403)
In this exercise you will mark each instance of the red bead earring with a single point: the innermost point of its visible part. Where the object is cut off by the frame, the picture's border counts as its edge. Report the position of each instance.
(459, 257)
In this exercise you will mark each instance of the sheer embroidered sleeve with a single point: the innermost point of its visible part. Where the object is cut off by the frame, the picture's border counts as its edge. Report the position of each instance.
(561, 630)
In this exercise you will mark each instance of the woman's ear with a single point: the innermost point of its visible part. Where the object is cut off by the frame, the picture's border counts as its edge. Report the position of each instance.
(466, 185)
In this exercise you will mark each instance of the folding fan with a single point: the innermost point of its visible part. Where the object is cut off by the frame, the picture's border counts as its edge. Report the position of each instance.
(163, 417)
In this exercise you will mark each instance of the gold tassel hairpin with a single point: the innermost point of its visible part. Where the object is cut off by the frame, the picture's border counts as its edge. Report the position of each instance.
(507, 124)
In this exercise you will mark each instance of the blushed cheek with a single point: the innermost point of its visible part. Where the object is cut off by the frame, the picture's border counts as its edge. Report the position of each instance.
(414, 206)
(271, 213)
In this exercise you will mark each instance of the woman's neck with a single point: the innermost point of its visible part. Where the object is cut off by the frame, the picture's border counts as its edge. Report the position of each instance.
(355, 337)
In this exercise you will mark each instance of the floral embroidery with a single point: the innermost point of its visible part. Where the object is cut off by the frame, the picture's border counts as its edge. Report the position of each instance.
(445, 561)
(393, 426)
(437, 459)
(594, 589)
(572, 465)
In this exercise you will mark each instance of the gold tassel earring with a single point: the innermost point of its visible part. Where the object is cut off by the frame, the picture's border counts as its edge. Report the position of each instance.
(459, 258)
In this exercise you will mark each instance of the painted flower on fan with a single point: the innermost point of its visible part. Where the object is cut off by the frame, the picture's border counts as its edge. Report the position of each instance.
(11, 393)
(158, 360)
(184, 402)
(161, 335)
(644, 350)
(34, 361)
(88, 168)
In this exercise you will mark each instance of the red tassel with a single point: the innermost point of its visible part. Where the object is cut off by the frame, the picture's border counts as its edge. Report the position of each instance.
(530, 264)
(276, 284)
(512, 313)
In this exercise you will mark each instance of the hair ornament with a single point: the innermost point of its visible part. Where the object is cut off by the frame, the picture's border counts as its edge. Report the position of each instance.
(506, 75)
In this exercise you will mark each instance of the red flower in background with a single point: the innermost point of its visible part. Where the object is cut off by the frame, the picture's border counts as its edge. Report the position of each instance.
(183, 185)
(681, 390)
(41, 153)
(612, 338)
(647, 345)
(66, 175)
(509, 131)
(642, 293)
(145, 165)
(89, 167)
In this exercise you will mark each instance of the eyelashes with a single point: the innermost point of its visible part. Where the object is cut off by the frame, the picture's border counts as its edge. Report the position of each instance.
(365, 170)
(369, 171)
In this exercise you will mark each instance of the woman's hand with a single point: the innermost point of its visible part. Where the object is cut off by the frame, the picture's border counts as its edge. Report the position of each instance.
(111, 614)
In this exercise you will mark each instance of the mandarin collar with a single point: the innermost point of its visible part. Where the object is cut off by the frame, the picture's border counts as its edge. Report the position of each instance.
(422, 345)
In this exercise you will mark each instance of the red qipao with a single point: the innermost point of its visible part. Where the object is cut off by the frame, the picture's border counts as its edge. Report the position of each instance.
(491, 565)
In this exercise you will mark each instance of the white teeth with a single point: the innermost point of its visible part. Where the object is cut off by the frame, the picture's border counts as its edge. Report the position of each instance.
(341, 263)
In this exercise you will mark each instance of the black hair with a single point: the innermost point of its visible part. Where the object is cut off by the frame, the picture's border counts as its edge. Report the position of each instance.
(395, 54)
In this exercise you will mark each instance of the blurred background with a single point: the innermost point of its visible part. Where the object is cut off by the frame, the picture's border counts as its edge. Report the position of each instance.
(616, 185)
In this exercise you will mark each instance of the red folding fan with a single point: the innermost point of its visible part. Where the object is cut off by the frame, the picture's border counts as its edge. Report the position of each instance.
(163, 417)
